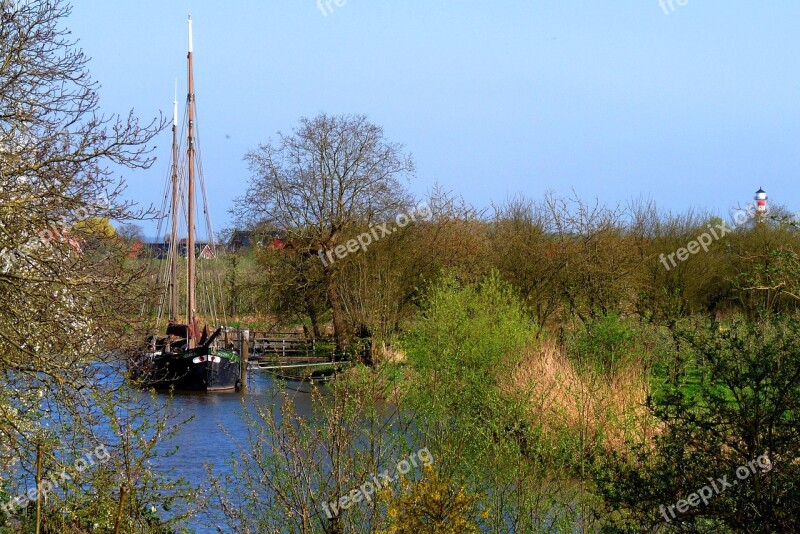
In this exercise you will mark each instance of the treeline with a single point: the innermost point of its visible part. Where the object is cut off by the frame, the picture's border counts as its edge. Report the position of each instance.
(566, 257)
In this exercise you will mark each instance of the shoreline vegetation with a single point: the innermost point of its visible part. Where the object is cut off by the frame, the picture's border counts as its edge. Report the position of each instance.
(536, 360)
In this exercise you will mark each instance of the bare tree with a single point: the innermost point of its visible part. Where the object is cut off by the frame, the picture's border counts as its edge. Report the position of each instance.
(324, 184)
(131, 232)
(66, 306)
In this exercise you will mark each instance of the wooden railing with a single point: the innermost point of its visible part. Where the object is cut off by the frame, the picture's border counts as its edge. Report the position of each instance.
(288, 355)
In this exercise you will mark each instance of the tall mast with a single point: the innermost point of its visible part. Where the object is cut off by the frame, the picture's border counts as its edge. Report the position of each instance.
(173, 266)
(190, 252)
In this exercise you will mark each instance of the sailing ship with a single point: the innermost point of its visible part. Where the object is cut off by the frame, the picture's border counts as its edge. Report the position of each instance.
(186, 357)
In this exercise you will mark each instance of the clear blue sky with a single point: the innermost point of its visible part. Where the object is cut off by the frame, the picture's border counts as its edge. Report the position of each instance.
(613, 99)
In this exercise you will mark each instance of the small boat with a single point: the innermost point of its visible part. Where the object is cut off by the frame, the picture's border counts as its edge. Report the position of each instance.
(186, 357)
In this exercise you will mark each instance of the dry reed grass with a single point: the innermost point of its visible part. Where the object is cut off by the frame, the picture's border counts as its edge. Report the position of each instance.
(608, 410)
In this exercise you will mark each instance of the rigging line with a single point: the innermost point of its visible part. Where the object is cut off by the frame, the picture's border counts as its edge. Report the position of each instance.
(216, 297)
(161, 305)
(165, 287)
(165, 196)
(209, 297)
(209, 267)
(161, 280)
(161, 216)
(212, 300)
(216, 302)
(219, 285)
(201, 174)
(209, 288)
(206, 215)
(163, 277)
(164, 213)
(202, 301)
(162, 295)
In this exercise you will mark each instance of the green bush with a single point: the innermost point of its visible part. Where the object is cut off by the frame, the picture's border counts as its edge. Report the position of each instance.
(467, 339)
(606, 343)
(462, 353)
(739, 404)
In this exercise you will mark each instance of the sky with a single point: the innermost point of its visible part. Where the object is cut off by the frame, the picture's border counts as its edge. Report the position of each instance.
(694, 106)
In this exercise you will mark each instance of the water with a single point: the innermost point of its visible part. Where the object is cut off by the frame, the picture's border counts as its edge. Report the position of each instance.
(205, 441)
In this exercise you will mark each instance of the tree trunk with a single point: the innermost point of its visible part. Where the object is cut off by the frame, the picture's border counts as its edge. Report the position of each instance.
(339, 323)
(312, 316)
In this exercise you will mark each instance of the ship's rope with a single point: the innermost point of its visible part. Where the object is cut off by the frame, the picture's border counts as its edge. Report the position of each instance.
(213, 288)
(209, 280)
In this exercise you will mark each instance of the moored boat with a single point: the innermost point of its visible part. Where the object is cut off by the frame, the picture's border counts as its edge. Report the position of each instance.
(186, 357)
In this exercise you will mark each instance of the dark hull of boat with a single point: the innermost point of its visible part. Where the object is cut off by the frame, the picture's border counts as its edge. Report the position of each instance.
(200, 369)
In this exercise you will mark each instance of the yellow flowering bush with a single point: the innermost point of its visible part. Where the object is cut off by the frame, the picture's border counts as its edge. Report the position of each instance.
(431, 505)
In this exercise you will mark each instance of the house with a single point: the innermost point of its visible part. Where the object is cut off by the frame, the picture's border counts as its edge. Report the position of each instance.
(206, 253)
(240, 239)
(135, 250)
(160, 251)
(246, 239)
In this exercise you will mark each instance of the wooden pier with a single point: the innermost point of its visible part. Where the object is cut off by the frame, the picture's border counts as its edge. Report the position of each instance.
(285, 355)
(284, 344)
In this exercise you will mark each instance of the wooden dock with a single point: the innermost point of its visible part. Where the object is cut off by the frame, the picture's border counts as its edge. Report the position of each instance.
(308, 371)
(285, 355)
(286, 344)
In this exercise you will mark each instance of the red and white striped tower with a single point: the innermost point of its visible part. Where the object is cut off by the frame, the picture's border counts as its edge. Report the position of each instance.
(761, 203)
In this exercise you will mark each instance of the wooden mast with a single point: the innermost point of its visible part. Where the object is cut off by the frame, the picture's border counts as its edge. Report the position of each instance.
(190, 252)
(173, 266)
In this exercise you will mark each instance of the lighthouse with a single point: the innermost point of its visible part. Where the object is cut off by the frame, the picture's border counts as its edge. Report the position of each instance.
(761, 203)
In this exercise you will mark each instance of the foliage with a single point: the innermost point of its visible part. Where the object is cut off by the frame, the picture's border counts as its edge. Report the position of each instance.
(520, 233)
(460, 348)
(292, 285)
(431, 505)
(324, 183)
(69, 295)
(463, 354)
(293, 467)
(743, 403)
(94, 227)
(768, 279)
(103, 472)
(606, 344)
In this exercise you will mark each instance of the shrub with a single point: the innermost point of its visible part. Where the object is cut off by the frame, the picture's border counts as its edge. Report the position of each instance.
(742, 405)
(433, 505)
(466, 343)
(606, 344)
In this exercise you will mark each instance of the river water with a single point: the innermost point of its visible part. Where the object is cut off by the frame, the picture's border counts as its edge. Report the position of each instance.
(205, 441)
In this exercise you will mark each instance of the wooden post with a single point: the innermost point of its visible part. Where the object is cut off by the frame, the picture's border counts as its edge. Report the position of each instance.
(244, 356)
(38, 487)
